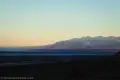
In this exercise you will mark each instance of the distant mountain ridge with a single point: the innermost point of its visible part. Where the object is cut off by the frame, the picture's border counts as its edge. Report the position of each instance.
(98, 42)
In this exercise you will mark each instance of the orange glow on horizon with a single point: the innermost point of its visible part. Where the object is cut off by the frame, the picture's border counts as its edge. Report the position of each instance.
(24, 43)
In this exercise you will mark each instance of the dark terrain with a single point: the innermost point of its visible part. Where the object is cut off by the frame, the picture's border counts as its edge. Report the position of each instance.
(107, 68)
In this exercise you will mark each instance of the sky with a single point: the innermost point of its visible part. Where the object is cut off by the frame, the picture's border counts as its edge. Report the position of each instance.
(41, 22)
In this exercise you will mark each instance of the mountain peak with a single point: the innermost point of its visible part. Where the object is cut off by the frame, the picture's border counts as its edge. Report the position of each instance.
(98, 42)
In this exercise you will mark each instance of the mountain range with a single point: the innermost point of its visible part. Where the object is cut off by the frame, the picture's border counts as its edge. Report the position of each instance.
(98, 42)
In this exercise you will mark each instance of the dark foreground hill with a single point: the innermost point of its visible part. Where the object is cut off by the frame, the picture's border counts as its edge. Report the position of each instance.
(106, 69)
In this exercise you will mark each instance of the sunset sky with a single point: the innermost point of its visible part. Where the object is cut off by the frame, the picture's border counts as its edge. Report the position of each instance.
(40, 22)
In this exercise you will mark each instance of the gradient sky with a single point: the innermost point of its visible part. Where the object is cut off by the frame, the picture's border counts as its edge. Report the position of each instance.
(40, 22)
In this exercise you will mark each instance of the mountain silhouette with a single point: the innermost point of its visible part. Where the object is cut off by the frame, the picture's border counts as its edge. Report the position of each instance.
(98, 42)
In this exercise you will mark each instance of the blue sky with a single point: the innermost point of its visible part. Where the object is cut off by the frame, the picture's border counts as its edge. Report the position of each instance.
(39, 22)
